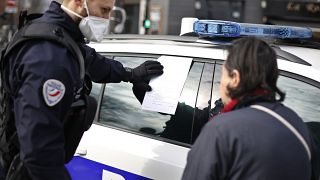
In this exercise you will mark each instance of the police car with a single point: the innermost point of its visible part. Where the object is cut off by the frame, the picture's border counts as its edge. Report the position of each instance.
(126, 142)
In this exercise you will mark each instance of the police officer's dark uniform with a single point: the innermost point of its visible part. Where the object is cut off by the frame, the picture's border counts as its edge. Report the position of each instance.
(39, 111)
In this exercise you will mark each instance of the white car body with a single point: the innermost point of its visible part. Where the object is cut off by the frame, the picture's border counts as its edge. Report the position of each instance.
(122, 154)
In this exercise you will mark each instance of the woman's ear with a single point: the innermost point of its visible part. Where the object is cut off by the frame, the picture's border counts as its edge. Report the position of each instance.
(235, 79)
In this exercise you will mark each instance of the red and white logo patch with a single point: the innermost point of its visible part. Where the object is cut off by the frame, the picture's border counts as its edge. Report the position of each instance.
(53, 91)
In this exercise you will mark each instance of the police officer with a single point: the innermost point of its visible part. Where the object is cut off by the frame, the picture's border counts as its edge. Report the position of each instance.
(244, 142)
(43, 77)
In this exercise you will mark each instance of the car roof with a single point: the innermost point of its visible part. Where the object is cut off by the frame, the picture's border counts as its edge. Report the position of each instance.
(158, 45)
(291, 58)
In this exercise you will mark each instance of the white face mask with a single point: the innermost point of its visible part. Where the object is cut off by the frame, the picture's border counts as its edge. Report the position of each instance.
(93, 28)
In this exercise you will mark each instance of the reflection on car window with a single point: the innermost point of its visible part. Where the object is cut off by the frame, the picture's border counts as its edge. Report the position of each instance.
(190, 88)
(302, 98)
(205, 86)
(202, 109)
(216, 83)
(179, 127)
(121, 109)
(95, 91)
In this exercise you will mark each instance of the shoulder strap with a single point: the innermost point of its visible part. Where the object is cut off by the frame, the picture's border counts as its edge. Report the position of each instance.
(288, 125)
(50, 32)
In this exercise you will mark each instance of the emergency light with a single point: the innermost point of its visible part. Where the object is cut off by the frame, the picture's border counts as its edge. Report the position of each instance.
(217, 28)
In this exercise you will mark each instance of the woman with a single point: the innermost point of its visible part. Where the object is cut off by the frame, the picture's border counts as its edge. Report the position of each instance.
(245, 142)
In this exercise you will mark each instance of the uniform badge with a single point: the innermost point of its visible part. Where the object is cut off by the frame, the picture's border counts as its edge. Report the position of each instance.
(53, 91)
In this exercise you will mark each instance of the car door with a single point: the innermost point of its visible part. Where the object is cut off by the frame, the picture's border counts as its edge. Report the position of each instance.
(130, 142)
(126, 141)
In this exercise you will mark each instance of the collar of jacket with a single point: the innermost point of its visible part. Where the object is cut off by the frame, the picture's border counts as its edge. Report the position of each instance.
(258, 95)
(57, 16)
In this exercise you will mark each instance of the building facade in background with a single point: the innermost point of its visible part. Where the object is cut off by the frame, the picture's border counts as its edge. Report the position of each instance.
(165, 15)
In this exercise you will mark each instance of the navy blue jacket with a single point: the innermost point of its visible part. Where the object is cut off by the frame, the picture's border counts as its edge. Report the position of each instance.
(39, 126)
(249, 144)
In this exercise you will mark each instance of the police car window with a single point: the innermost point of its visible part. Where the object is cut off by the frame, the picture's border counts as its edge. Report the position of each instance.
(202, 109)
(208, 102)
(215, 88)
(95, 91)
(120, 108)
(299, 95)
(205, 86)
(302, 98)
(180, 125)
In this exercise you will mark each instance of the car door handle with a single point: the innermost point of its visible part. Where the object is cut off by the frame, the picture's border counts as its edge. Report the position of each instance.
(81, 151)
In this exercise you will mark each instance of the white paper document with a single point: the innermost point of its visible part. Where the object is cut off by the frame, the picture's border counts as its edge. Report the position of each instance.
(166, 89)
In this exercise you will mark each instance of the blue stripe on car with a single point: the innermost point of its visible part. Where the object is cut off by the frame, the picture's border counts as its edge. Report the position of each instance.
(81, 168)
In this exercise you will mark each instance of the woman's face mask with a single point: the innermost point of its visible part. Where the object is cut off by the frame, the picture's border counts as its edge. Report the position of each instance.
(93, 28)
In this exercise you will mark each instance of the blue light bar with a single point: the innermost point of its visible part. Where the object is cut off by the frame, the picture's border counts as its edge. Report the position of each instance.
(216, 28)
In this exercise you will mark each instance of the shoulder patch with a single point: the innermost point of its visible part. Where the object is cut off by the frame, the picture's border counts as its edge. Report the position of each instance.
(53, 91)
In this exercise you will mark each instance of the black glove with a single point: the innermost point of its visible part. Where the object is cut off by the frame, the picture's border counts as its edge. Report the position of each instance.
(217, 108)
(144, 71)
(140, 89)
(141, 75)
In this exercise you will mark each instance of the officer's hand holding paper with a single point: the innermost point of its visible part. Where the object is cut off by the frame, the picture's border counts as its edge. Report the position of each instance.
(166, 89)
